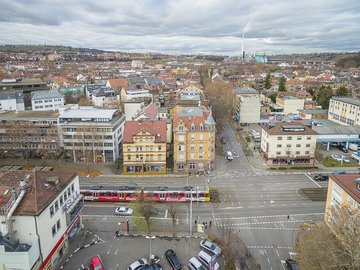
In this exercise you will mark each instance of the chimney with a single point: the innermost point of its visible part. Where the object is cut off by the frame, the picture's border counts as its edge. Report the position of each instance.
(242, 47)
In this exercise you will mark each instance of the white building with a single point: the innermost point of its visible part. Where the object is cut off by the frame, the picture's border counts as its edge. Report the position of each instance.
(133, 107)
(134, 93)
(93, 135)
(40, 213)
(46, 100)
(12, 102)
(290, 104)
(288, 143)
(344, 110)
(247, 105)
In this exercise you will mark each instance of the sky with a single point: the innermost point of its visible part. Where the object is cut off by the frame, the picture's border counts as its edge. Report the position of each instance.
(185, 26)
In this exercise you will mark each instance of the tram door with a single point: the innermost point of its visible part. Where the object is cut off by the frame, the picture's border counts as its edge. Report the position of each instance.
(188, 196)
(96, 196)
(162, 196)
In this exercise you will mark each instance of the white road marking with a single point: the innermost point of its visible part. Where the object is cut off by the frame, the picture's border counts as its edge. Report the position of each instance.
(272, 216)
(311, 179)
(268, 259)
(277, 252)
(166, 213)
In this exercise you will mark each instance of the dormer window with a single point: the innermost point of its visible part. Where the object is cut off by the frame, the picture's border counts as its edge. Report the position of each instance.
(201, 126)
(181, 128)
(192, 126)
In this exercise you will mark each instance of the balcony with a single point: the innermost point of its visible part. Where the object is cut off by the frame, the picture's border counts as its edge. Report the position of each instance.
(14, 255)
(72, 207)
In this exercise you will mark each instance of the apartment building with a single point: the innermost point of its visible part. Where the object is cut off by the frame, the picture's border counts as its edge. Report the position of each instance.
(12, 102)
(29, 133)
(89, 134)
(288, 144)
(144, 147)
(194, 139)
(343, 190)
(247, 105)
(290, 104)
(46, 100)
(40, 215)
(344, 110)
(131, 93)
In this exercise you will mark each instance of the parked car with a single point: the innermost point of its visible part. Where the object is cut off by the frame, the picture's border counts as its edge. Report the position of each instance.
(138, 264)
(206, 259)
(194, 264)
(173, 259)
(336, 157)
(153, 266)
(123, 211)
(223, 140)
(343, 148)
(211, 247)
(321, 177)
(339, 172)
(345, 159)
(96, 263)
(292, 264)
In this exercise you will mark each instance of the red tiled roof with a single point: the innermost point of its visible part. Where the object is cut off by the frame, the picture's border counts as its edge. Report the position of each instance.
(118, 83)
(154, 127)
(150, 111)
(347, 182)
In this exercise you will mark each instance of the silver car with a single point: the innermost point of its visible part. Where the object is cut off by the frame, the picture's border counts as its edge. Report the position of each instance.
(211, 247)
(123, 211)
(139, 264)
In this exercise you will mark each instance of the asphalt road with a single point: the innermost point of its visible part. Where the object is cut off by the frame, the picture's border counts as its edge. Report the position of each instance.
(255, 203)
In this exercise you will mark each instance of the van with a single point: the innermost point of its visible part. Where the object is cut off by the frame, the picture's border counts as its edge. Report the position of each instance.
(194, 264)
(354, 146)
(229, 156)
(205, 259)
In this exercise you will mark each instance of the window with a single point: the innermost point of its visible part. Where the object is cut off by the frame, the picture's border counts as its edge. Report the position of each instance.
(298, 145)
(52, 212)
(192, 126)
(129, 157)
(201, 136)
(181, 147)
(299, 138)
(181, 138)
(192, 166)
(288, 145)
(200, 156)
(289, 138)
(72, 188)
(308, 138)
(297, 153)
(68, 192)
(200, 147)
(56, 206)
(279, 138)
(279, 145)
(58, 226)
(308, 145)
(159, 148)
(181, 166)
(129, 148)
(288, 152)
(307, 152)
(181, 128)
(192, 147)
(61, 201)
(192, 156)
(192, 136)
(159, 156)
(201, 126)
(53, 230)
(278, 153)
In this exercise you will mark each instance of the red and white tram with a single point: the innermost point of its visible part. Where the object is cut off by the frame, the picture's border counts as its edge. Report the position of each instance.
(158, 194)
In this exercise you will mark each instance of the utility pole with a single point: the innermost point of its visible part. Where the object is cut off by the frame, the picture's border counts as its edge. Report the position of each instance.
(191, 199)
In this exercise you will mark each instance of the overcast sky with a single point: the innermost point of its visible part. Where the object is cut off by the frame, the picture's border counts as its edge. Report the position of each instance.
(185, 26)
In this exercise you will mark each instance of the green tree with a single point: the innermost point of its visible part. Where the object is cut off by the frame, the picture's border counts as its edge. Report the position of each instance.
(267, 83)
(143, 210)
(323, 97)
(273, 97)
(282, 84)
(342, 91)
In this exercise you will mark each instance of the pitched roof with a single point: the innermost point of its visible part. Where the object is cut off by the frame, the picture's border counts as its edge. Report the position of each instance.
(279, 129)
(193, 115)
(150, 111)
(118, 83)
(40, 95)
(347, 182)
(156, 128)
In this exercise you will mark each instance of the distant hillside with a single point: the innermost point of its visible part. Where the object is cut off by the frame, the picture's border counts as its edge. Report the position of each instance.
(349, 62)
(45, 49)
(319, 57)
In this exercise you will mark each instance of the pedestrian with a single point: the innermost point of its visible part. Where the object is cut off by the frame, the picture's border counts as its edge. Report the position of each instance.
(288, 216)
(210, 222)
(205, 224)
(208, 181)
(195, 222)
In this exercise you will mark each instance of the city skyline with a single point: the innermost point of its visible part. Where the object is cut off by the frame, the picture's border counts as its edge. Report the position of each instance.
(185, 27)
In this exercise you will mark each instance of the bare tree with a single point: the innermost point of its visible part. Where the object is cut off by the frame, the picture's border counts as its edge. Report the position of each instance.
(333, 246)
(143, 210)
(173, 207)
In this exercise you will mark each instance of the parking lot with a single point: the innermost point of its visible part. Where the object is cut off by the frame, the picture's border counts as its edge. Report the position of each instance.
(119, 253)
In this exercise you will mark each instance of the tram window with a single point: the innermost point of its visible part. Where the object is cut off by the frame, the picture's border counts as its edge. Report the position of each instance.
(175, 194)
(87, 193)
(114, 194)
(108, 194)
(201, 195)
(182, 194)
(128, 194)
(149, 194)
(121, 194)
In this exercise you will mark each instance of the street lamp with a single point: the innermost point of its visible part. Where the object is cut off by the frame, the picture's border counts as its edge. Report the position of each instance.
(150, 237)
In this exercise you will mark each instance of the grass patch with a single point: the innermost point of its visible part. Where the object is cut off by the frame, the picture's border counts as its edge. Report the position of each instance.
(329, 162)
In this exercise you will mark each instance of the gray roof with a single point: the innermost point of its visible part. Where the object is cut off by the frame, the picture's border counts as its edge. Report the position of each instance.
(88, 112)
(210, 120)
(103, 91)
(40, 95)
(190, 112)
(353, 101)
(17, 95)
(153, 80)
(239, 91)
(330, 127)
(314, 111)
(190, 97)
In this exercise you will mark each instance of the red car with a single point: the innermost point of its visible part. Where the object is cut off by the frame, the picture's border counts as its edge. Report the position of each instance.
(96, 263)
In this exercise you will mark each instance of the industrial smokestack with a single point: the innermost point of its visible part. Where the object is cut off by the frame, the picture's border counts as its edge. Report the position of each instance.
(242, 47)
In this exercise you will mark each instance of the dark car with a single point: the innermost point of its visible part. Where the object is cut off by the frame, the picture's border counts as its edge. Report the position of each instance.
(292, 264)
(173, 259)
(153, 266)
(321, 177)
(339, 172)
(343, 148)
(223, 140)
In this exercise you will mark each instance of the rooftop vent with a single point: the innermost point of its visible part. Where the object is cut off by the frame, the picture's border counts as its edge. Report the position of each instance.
(53, 180)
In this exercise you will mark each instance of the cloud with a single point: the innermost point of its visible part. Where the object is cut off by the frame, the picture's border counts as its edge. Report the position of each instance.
(184, 26)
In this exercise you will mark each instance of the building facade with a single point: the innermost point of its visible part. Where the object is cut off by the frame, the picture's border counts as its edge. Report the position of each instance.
(29, 134)
(290, 104)
(194, 140)
(40, 217)
(144, 147)
(91, 135)
(345, 111)
(47, 100)
(12, 102)
(288, 144)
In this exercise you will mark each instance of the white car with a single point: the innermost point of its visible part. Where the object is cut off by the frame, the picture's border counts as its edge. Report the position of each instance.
(336, 157)
(210, 246)
(345, 159)
(138, 264)
(123, 211)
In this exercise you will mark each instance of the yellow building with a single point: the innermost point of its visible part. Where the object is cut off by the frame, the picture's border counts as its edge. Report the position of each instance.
(343, 190)
(194, 140)
(144, 147)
